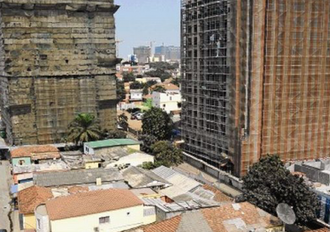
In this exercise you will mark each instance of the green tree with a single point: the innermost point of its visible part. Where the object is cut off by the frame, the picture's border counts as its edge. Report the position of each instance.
(128, 76)
(268, 183)
(84, 128)
(162, 74)
(147, 142)
(159, 88)
(123, 121)
(158, 123)
(121, 93)
(147, 86)
(116, 134)
(164, 65)
(148, 103)
(136, 85)
(176, 81)
(166, 154)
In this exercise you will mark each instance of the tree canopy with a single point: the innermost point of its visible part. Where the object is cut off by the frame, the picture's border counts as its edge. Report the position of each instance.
(167, 154)
(162, 74)
(158, 123)
(164, 65)
(123, 121)
(121, 93)
(84, 128)
(268, 183)
(136, 85)
(147, 142)
(128, 76)
(159, 88)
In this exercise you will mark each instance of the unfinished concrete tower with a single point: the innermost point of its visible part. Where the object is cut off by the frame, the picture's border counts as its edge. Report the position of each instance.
(57, 59)
(256, 80)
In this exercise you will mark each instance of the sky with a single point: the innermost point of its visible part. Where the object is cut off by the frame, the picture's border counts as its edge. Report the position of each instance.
(138, 22)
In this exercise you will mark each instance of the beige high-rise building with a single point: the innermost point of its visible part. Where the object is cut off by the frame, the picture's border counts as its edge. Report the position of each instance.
(256, 80)
(57, 59)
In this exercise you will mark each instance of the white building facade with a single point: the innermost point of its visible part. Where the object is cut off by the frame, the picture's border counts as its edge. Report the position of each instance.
(136, 94)
(168, 101)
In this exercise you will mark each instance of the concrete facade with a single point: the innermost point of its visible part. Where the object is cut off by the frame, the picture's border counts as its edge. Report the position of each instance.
(167, 101)
(57, 60)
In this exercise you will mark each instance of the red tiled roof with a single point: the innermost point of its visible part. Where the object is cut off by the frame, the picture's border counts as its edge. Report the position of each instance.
(170, 225)
(249, 213)
(36, 152)
(92, 202)
(31, 197)
(215, 218)
(167, 86)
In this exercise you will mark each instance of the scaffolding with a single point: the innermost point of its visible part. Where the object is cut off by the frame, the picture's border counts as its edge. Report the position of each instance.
(205, 72)
(56, 61)
(256, 79)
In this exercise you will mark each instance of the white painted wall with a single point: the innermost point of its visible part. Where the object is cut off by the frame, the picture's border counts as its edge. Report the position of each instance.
(119, 220)
(136, 95)
(134, 159)
(88, 150)
(167, 101)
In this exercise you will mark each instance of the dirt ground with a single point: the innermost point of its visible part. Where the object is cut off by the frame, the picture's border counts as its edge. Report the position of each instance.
(134, 124)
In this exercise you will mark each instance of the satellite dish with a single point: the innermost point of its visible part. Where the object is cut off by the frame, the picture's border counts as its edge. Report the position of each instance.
(286, 213)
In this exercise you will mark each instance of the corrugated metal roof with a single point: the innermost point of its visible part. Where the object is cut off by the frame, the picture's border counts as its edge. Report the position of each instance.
(140, 178)
(111, 143)
(193, 203)
(181, 183)
(74, 177)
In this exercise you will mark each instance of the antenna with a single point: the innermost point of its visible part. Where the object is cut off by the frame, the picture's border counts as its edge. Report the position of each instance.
(286, 214)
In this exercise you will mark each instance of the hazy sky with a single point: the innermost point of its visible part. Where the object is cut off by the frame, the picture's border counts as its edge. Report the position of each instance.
(140, 21)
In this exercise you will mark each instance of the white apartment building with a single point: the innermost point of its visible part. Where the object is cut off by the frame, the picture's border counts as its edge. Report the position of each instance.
(170, 100)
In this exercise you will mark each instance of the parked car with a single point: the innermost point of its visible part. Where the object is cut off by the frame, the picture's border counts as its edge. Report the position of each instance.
(133, 115)
(3, 230)
(139, 116)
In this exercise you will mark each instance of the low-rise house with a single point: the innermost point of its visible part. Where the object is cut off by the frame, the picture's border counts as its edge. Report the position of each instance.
(135, 159)
(28, 199)
(92, 162)
(107, 146)
(23, 175)
(228, 218)
(140, 178)
(169, 100)
(26, 155)
(78, 177)
(136, 94)
(110, 210)
(29, 159)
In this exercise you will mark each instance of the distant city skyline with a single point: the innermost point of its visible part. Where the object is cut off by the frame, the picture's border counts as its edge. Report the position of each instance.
(140, 22)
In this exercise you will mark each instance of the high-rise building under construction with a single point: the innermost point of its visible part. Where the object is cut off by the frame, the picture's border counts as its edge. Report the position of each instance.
(256, 80)
(57, 59)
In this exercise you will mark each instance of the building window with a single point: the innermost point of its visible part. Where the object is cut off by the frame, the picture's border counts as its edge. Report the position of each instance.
(38, 223)
(103, 220)
(21, 162)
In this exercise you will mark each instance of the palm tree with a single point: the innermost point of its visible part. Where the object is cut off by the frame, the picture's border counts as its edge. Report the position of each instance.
(84, 128)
